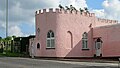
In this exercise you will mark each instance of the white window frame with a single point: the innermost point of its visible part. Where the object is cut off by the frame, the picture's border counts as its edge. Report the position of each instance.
(98, 46)
(85, 40)
(38, 32)
(51, 38)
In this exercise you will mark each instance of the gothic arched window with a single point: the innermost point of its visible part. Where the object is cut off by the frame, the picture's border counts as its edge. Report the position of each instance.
(50, 39)
(84, 40)
(38, 46)
(38, 32)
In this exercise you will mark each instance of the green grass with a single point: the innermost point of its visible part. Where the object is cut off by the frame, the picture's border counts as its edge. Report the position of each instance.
(9, 54)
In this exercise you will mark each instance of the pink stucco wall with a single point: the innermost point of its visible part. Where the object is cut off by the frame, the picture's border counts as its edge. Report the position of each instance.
(68, 29)
(110, 36)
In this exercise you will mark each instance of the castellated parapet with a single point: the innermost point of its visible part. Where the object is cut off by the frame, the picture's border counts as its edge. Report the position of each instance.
(106, 20)
(62, 11)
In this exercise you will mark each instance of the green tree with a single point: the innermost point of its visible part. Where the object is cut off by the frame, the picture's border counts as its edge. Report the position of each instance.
(0, 38)
(14, 36)
(8, 38)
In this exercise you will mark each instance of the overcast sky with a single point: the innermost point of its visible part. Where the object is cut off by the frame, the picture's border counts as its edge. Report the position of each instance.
(22, 12)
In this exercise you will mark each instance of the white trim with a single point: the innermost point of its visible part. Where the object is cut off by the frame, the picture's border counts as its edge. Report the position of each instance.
(98, 48)
(85, 45)
(50, 39)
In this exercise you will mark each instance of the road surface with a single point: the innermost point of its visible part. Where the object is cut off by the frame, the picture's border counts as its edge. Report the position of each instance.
(15, 62)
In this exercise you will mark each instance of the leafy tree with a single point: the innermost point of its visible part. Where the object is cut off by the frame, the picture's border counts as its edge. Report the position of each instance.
(0, 38)
(13, 36)
(8, 38)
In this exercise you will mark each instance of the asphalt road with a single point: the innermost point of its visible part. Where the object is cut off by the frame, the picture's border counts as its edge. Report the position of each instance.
(8, 62)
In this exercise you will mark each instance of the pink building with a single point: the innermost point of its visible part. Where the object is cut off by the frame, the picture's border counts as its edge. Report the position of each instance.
(61, 33)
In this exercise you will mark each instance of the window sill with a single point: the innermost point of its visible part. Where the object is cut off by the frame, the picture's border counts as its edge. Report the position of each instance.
(50, 48)
(85, 49)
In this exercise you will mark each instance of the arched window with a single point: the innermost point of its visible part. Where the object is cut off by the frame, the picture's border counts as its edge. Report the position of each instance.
(70, 39)
(84, 40)
(98, 43)
(38, 46)
(50, 39)
(38, 32)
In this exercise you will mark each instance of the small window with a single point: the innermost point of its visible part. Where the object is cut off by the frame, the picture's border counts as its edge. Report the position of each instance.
(38, 46)
(98, 43)
(38, 32)
(85, 41)
(48, 35)
(50, 39)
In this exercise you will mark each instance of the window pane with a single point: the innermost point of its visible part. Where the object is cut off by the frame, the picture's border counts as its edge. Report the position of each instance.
(83, 43)
(52, 43)
(98, 45)
(38, 45)
(84, 35)
(52, 34)
(48, 43)
(48, 35)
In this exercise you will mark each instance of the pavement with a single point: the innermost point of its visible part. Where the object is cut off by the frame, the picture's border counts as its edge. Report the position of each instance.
(91, 60)
(17, 62)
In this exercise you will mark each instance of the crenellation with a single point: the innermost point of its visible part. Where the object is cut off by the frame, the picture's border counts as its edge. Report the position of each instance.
(92, 14)
(44, 10)
(74, 12)
(50, 10)
(67, 12)
(110, 21)
(36, 13)
(57, 10)
(88, 14)
(106, 20)
(115, 21)
(39, 11)
(78, 12)
(63, 11)
(83, 13)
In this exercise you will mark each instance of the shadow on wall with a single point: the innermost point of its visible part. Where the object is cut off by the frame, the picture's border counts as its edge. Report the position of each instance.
(77, 51)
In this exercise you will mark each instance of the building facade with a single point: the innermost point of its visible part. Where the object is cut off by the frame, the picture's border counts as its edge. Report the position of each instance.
(62, 33)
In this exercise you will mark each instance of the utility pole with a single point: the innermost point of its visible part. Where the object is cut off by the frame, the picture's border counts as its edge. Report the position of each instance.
(6, 42)
(6, 18)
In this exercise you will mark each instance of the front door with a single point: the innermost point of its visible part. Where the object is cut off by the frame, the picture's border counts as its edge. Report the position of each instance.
(98, 47)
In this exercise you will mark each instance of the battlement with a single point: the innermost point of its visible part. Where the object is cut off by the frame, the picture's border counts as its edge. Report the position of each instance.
(107, 20)
(75, 12)
(62, 11)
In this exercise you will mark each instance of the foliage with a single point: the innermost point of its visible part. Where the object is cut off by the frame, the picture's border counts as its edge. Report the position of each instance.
(9, 54)
(14, 36)
(8, 38)
(0, 38)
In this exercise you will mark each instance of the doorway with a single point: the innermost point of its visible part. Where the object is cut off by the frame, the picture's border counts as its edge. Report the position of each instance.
(98, 45)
